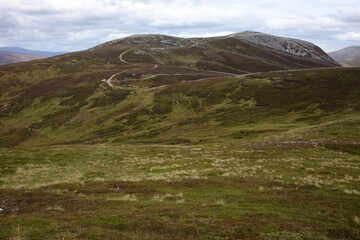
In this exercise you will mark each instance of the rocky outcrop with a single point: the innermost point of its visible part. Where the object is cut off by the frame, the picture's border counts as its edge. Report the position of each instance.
(289, 45)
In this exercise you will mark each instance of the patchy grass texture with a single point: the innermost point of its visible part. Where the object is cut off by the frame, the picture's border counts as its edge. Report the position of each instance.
(177, 149)
(231, 191)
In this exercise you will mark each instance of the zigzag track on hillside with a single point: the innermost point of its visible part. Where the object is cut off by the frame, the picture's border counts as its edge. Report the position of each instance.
(108, 81)
(122, 54)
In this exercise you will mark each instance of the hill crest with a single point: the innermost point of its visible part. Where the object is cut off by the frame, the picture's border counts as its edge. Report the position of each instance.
(11, 57)
(295, 47)
(32, 52)
(348, 52)
(289, 45)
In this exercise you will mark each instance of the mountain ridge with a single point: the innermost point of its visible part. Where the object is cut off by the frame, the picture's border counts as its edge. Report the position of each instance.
(290, 46)
(32, 52)
(347, 57)
(348, 52)
(11, 57)
(350, 62)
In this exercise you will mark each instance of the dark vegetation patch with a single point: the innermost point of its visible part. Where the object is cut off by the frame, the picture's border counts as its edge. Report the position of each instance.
(134, 117)
(246, 63)
(110, 54)
(110, 97)
(251, 133)
(353, 148)
(78, 88)
(15, 137)
(150, 139)
(162, 105)
(59, 118)
(150, 136)
(104, 187)
(213, 66)
(100, 135)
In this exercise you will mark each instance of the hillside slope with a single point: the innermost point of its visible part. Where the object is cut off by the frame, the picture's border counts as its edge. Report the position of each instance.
(348, 52)
(31, 52)
(350, 62)
(164, 89)
(318, 104)
(10, 57)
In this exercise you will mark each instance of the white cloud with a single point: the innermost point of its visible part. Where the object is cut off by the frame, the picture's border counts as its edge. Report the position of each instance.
(302, 24)
(353, 15)
(72, 25)
(348, 36)
(189, 34)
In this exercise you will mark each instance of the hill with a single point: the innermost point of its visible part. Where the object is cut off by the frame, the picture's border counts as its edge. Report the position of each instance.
(235, 51)
(348, 52)
(245, 136)
(31, 52)
(293, 46)
(60, 93)
(10, 57)
(350, 62)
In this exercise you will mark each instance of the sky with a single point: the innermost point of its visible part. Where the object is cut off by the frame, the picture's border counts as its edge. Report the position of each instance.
(72, 25)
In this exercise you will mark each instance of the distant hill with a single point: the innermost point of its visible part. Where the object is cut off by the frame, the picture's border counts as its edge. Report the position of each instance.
(11, 57)
(348, 52)
(32, 52)
(254, 48)
(158, 88)
(350, 62)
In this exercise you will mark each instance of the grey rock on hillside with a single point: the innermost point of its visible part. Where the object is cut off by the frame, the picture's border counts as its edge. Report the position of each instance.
(289, 45)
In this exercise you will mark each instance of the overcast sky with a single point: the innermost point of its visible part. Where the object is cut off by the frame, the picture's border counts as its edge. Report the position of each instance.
(69, 25)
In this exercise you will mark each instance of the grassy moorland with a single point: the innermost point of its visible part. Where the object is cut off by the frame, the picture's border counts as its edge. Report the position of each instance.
(172, 151)
(268, 156)
(286, 190)
(317, 104)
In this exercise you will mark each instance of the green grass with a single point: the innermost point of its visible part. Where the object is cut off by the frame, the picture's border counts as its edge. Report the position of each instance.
(184, 59)
(320, 104)
(211, 191)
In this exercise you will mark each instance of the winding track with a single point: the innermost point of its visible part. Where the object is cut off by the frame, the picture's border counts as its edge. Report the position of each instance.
(122, 54)
(108, 81)
(112, 76)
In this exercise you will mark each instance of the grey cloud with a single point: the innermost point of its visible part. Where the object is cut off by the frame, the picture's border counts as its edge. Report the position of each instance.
(353, 15)
(74, 25)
